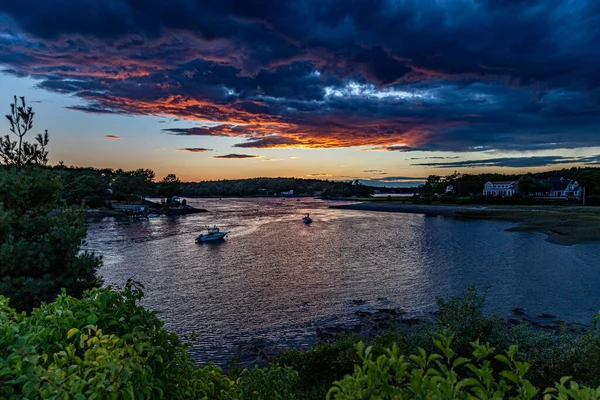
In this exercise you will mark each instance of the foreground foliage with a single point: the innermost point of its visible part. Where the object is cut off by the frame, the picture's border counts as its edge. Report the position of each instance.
(40, 241)
(443, 375)
(105, 345)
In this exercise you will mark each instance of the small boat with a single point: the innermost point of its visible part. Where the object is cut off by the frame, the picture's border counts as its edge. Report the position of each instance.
(307, 219)
(282, 198)
(213, 234)
(153, 215)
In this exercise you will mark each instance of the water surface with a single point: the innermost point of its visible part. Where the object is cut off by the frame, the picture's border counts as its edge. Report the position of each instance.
(277, 278)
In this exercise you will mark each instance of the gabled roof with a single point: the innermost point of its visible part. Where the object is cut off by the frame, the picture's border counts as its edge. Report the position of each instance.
(501, 182)
(558, 183)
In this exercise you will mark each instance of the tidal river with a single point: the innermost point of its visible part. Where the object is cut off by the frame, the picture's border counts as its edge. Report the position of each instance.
(277, 279)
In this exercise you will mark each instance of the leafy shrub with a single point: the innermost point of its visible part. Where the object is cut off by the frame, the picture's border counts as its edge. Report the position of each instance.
(442, 375)
(320, 366)
(107, 346)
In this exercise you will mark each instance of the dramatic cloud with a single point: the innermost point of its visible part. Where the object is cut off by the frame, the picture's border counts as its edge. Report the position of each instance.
(112, 137)
(236, 156)
(464, 75)
(516, 162)
(194, 149)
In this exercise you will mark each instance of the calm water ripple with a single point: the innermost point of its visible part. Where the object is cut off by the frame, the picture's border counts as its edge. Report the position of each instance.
(277, 278)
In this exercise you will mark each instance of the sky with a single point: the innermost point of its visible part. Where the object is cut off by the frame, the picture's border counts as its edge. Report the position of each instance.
(386, 91)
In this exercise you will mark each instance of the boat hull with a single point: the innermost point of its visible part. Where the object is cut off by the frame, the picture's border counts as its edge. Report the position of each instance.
(212, 237)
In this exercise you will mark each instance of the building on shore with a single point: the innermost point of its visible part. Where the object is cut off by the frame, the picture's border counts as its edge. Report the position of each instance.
(500, 188)
(561, 188)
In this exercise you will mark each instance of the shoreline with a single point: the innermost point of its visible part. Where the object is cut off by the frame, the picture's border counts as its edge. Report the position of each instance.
(371, 323)
(563, 226)
(445, 210)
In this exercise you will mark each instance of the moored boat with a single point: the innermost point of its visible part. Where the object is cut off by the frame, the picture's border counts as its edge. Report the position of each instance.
(214, 233)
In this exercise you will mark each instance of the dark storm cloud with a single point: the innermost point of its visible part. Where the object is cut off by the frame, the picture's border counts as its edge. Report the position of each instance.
(113, 137)
(466, 75)
(270, 141)
(194, 149)
(236, 156)
(515, 162)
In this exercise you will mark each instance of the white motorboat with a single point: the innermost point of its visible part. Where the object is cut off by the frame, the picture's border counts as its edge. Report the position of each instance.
(307, 219)
(213, 234)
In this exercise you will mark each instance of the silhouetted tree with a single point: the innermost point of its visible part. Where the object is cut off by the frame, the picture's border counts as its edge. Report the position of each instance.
(169, 186)
(130, 184)
(20, 152)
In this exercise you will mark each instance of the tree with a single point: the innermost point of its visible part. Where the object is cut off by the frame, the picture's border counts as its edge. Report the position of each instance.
(433, 185)
(130, 184)
(169, 186)
(20, 152)
(40, 241)
(527, 184)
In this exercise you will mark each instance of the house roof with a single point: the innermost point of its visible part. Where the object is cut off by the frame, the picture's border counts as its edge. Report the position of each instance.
(559, 183)
(501, 182)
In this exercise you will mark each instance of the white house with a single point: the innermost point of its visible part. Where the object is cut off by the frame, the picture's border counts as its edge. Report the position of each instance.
(563, 188)
(500, 188)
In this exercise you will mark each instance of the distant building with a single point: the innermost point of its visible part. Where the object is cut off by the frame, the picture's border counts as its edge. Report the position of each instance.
(563, 188)
(449, 189)
(500, 188)
(288, 193)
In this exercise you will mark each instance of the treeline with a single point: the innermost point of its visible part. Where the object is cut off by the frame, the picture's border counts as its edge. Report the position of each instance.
(93, 187)
(273, 186)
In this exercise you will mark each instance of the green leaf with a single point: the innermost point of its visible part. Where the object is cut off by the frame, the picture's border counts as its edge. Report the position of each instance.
(511, 376)
(502, 359)
(71, 332)
(92, 319)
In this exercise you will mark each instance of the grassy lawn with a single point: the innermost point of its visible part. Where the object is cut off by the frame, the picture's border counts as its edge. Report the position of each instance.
(577, 223)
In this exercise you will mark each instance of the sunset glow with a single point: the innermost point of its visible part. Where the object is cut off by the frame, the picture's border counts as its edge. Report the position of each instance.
(210, 90)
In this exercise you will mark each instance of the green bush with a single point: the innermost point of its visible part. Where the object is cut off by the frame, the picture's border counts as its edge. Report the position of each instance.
(321, 365)
(444, 375)
(107, 346)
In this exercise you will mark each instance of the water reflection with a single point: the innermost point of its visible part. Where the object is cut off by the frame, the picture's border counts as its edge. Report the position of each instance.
(277, 277)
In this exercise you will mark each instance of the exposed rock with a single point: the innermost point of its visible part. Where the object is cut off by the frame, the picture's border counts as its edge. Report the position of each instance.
(544, 315)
